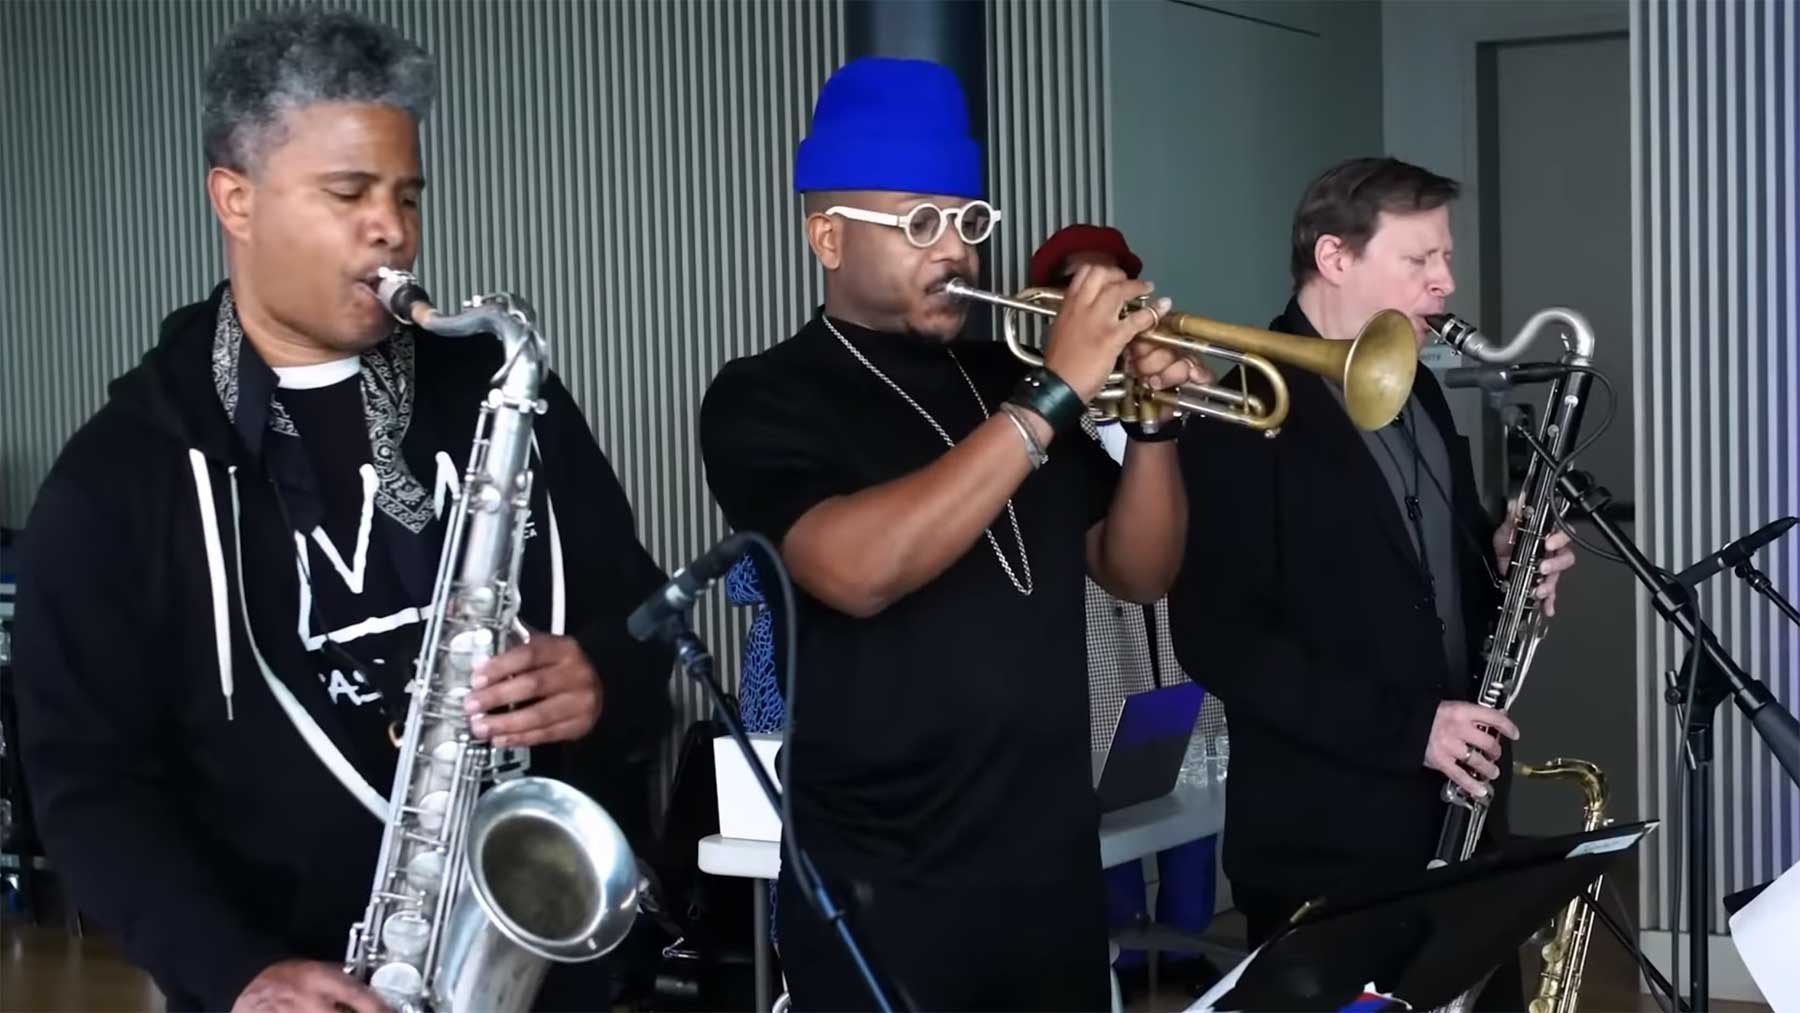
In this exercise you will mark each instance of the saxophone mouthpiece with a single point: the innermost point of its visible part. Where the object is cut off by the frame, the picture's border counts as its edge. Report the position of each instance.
(401, 295)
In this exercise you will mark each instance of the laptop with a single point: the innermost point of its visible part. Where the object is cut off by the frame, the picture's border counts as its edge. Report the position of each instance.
(1149, 741)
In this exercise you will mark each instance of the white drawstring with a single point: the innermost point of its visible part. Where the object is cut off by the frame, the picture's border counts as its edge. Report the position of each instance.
(558, 599)
(215, 569)
(558, 604)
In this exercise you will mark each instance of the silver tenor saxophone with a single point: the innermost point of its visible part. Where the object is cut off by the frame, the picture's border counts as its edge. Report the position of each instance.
(482, 879)
(1520, 625)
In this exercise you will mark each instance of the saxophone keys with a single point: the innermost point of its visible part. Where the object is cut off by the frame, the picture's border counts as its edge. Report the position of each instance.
(487, 499)
(471, 646)
(400, 985)
(431, 811)
(405, 934)
(425, 872)
(444, 757)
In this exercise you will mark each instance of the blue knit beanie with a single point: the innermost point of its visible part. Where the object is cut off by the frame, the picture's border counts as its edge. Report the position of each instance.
(886, 124)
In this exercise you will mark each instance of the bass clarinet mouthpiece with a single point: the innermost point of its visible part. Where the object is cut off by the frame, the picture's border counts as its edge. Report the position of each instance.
(1456, 332)
(401, 295)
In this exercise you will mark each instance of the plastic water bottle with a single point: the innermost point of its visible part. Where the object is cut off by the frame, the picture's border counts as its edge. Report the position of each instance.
(1194, 765)
(1219, 755)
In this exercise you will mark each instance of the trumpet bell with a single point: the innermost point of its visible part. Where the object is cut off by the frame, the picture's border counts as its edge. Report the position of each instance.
(1378, 370)
(1375, 370)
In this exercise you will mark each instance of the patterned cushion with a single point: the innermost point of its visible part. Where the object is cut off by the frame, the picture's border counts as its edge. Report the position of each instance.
(759, 692)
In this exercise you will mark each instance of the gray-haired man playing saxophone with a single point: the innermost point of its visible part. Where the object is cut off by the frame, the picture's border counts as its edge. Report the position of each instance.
(227, 572)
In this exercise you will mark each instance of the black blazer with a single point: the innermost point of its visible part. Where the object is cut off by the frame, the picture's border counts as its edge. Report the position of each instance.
(1302, 605)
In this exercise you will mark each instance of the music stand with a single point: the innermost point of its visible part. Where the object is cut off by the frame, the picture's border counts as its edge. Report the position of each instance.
(1425, 938)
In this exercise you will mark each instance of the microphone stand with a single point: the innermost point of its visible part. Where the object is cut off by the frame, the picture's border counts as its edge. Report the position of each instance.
(1760, 583)
(1713, 677)
(1651, 974)
(691, 653)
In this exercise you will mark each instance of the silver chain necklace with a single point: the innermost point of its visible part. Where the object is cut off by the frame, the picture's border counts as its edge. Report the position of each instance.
(1012, 517)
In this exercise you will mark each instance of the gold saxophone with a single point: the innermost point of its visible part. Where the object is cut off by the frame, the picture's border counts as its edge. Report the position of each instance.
(1564, 956)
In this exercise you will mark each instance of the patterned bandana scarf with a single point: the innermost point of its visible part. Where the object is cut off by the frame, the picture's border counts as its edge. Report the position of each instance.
(387, 396)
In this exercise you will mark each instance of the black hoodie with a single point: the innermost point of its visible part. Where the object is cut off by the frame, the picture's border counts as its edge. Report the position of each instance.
(189, 771)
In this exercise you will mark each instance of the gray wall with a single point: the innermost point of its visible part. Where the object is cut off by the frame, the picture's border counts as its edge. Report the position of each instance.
(1049, 116)
(1561, 236)
(1429, 112)
(1221, 115)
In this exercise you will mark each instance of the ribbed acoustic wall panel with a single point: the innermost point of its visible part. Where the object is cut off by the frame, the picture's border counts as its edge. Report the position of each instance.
(625, 166)
(1718, 366)
(1048, 125)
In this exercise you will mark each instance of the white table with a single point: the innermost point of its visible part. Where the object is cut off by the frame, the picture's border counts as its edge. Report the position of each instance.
(1188, 813)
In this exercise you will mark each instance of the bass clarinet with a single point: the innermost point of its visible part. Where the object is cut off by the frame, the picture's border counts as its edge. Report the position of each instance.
(1520, 625)
(483, 878)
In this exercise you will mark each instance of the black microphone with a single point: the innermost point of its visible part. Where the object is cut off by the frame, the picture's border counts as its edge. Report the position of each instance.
(1734, 553)
(1503, 377)
(685, 587)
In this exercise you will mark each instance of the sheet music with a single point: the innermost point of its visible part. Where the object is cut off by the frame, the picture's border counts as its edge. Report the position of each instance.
(1204, 1004)
(1764, 932)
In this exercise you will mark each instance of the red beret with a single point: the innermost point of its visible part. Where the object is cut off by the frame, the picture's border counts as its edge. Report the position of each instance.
(1047, 262)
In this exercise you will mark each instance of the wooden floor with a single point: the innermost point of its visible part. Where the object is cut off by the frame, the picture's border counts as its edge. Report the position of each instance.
(42, 968)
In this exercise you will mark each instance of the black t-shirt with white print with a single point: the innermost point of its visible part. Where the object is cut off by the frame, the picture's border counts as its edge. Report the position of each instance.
(350, 588)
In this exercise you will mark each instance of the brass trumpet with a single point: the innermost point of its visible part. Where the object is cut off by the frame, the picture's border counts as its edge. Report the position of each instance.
(1376, 370)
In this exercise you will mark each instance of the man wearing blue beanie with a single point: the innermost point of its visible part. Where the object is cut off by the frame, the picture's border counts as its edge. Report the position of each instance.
(938, 511)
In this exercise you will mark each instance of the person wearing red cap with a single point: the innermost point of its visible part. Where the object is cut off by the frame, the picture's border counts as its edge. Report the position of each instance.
(1129, 651)
(938, 512)
(1075, 246)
